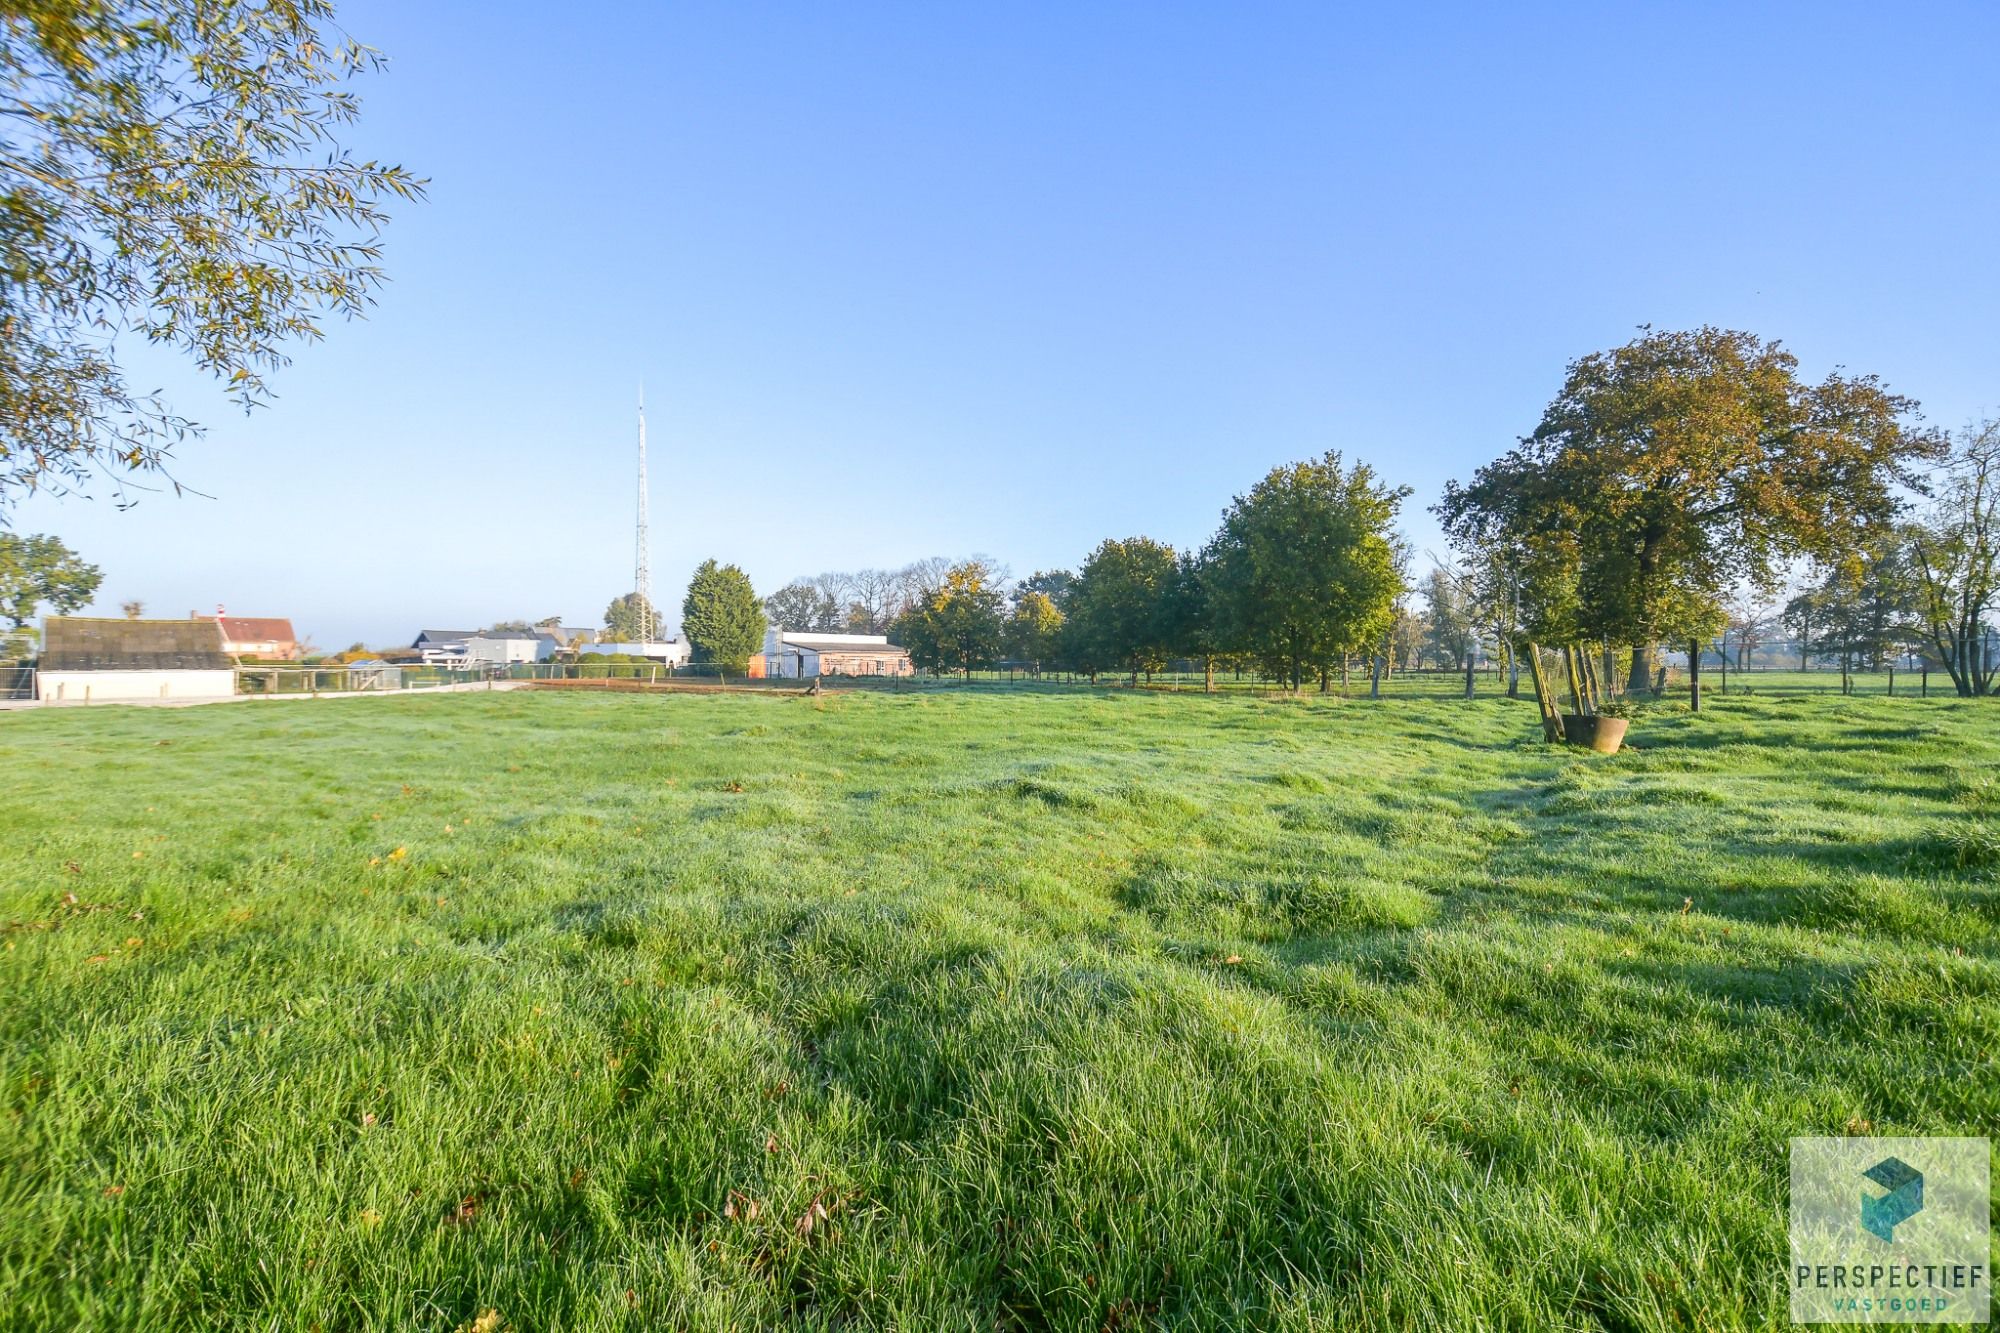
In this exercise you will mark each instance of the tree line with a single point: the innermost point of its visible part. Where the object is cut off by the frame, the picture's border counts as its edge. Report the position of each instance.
(1673, 487)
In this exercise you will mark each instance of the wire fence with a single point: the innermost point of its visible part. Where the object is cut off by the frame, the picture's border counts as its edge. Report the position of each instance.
(1488, 678)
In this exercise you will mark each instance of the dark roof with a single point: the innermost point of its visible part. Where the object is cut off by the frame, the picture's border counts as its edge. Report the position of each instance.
(814, 644)
(442, 636)
(80, 643)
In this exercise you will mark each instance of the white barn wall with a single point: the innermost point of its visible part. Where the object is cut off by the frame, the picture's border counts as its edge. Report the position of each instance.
(99, 687)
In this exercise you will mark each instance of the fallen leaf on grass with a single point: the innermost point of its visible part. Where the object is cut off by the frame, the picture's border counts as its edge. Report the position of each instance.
(113, 1191)
(488, 1322)
(399, 853)
(741, 1205)
(1233, 959)
(370, 1218)
(367, 1119)
(770, 1143)
(465, 1212)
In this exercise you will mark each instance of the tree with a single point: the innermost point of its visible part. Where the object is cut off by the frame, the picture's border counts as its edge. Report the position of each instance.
(1450, 637)
(1187, 621)
(875, 602)
(170, 172)
(1053, 584)
(1862, 615)
(1670, 470)
(1304, 570)
(722, 617)
(1955, 557)
(956, 626)
(40, 570)
(631, 619)
(1030, 634)
(1114, 610)
(803, 607)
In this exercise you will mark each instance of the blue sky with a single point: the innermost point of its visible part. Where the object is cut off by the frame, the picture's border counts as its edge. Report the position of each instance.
(905, 280)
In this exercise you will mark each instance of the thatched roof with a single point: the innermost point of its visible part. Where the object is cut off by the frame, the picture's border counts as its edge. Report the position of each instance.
(82, 643)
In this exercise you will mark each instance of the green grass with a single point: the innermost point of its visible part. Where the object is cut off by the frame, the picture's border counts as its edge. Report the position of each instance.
(1049, 1009)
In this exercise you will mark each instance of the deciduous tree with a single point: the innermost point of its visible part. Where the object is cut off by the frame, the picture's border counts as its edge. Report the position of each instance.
(956, 626)
(631, 619)
(1115, 613)
(1668, 471)
(39, 570)
(1955, 553)
(169, 172)
(1304, 570)
(1032, 629)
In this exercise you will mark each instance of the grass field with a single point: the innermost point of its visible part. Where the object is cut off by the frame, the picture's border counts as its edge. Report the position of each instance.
(967, 1009)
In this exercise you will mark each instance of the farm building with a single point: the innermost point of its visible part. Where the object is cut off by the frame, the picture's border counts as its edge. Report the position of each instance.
(87, 660)
(268, 637)
(801, 656)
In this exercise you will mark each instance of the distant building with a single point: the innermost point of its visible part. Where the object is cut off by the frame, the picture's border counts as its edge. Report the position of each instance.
(269, 637)
(443, 647)
(508, 647)
(485, 647)
(88, 660)
(801, 656)
(672, 652)
(372, 673)
(570, 636)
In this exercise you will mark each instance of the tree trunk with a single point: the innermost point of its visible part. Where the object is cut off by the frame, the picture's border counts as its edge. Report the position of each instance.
(1575, 681)
(1552, 727)
(1470, 666)
(1208, 675)
(1694, 676)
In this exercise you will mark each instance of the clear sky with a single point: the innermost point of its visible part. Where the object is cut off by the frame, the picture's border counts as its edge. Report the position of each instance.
(909, 279)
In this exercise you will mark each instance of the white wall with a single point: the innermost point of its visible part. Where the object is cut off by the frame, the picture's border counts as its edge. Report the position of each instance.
(509, 650)
(97, 687)
(673, 652)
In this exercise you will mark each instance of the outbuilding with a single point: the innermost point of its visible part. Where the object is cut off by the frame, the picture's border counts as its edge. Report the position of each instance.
(802, 656)
(87, 660)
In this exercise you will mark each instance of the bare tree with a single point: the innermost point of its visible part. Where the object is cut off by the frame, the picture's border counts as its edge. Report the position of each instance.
(1956, 546)
(876, 600)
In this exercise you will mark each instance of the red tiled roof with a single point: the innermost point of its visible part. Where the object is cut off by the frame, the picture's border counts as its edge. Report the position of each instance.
(255, 629)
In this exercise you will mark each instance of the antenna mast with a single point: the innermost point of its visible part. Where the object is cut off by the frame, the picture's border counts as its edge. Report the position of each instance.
(642, 574)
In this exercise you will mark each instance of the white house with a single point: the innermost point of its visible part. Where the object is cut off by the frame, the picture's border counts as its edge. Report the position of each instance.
(673, 652)
(801, 656)
(484, 647)
(91, 661)
(506, 647)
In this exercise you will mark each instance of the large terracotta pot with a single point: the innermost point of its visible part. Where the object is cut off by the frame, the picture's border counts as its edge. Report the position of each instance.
(1602, 734)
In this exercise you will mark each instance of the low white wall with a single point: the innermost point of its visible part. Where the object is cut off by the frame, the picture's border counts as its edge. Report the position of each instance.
(97, 687)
